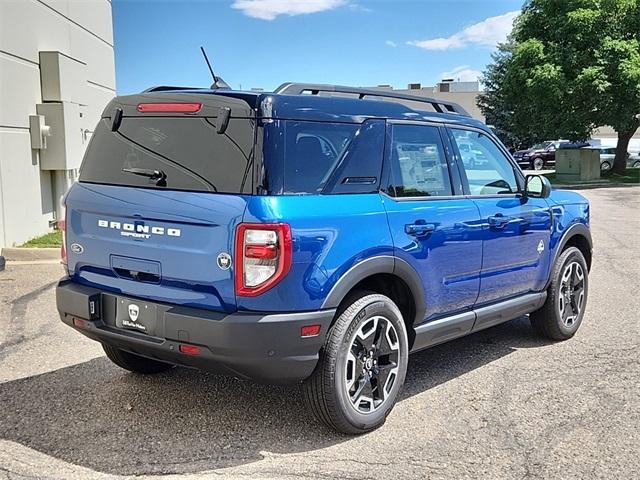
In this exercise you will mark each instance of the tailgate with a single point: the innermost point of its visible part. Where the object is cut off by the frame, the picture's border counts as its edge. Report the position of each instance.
(160, 245)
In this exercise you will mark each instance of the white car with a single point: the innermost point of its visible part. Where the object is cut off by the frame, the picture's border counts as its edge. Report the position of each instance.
(607, 155)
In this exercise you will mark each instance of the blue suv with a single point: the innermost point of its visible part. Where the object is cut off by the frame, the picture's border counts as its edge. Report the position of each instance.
(316, 234)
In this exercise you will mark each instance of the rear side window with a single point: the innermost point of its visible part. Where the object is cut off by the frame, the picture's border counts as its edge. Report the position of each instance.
(188, 151)
(312, 151)
(418, 163)
(306, 157)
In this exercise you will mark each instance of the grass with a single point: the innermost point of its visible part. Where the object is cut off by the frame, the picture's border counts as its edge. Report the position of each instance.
(631, 175)
(52, 239)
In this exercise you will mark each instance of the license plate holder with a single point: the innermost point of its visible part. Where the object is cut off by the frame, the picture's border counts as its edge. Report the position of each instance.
(136, 315)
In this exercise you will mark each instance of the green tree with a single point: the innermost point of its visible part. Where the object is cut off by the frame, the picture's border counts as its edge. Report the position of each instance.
(495, 103)
(571, 66)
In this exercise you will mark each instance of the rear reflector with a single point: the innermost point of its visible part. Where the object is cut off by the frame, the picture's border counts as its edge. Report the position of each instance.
(80, 323)
(310, 331)
(169, 107)
(189, 349)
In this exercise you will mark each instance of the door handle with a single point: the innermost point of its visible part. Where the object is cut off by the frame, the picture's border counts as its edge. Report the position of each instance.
(498, 220)
(419, 229)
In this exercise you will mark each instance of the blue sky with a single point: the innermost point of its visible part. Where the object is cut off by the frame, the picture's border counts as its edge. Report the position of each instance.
(263, 43)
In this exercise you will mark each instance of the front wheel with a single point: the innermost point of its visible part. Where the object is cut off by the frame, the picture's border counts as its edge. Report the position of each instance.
(562, 313)
(537, 163)
(605, 166)
(362, 366)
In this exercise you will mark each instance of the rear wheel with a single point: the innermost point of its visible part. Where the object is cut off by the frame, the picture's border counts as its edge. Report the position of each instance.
(605, 166)
(362, 366)
(562, 313)
(134, 363)
(636, 164)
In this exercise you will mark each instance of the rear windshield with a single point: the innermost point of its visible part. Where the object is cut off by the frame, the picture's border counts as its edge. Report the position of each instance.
(187, 154)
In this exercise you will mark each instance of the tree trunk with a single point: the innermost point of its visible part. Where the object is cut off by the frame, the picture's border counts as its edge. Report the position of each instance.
(620, 160)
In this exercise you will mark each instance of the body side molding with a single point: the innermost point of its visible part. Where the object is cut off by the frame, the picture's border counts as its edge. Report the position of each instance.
(448, 328)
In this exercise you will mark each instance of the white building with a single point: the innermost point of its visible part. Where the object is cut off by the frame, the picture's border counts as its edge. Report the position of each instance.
(56, 75)
(464, 94)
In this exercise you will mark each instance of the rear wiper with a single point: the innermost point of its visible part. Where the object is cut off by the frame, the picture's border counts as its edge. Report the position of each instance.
(158, 175)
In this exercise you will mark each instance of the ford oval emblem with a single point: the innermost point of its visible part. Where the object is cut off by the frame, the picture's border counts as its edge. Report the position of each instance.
(76, 248)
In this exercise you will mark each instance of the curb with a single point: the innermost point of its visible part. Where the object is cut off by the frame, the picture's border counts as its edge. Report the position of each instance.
(30, 254)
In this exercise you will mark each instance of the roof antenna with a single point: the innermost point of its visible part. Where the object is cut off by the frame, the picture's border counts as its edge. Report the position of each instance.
(217, 81)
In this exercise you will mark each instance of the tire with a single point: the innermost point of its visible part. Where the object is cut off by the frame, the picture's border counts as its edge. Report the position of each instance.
(134, 363)
(636, 164)
(537, 163)
(605, 166)
(563, 311)
(331, 393)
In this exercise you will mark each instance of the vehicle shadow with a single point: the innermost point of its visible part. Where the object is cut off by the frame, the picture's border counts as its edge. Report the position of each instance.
(98, 416)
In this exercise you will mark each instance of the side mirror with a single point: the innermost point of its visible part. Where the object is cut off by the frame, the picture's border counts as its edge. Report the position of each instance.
(537, 186)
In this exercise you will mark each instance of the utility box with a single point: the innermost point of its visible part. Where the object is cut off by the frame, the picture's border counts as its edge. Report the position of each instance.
(577, 165)
(63, 78)
(65, 145)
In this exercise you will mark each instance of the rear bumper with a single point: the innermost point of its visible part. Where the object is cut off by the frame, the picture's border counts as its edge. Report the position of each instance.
(264, 347)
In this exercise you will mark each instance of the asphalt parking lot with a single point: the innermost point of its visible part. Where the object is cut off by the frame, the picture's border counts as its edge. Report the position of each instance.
(497, 404)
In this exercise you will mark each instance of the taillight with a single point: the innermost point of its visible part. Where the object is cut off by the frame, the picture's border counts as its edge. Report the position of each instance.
(62, 226)
(263, 256)
(169, 107)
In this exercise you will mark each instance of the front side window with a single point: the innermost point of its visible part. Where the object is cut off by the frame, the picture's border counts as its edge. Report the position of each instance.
(418, 166)
(487, 169)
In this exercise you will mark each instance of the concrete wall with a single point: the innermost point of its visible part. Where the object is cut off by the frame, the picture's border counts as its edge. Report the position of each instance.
(81, 31)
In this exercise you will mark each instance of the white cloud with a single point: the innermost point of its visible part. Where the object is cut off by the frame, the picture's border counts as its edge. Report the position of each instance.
(462, 73)
(391, 43)
(488, 33)
(270, 9)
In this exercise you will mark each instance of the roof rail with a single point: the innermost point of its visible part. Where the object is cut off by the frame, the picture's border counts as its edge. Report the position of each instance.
(164, 88)
(439, 105)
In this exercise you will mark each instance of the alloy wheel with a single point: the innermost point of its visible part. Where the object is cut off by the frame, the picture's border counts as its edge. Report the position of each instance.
(372, 364)
(571, 298)
(538, 163)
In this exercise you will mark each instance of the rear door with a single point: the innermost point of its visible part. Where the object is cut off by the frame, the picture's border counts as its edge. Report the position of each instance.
(159, 197)
(433, 230)
(515, 229)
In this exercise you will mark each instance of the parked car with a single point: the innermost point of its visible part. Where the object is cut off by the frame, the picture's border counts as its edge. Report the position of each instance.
(296, 236)
(607, 155)
(543, 155)
(471, 157)
(540, 156)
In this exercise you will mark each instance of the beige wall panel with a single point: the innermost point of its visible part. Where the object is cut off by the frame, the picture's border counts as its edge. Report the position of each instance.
(95, 16)
(19, 91)
(96, 54)
(26, 211)
(27, 26)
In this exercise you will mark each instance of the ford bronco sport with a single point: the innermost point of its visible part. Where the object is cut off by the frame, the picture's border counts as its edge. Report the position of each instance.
(317, 234)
